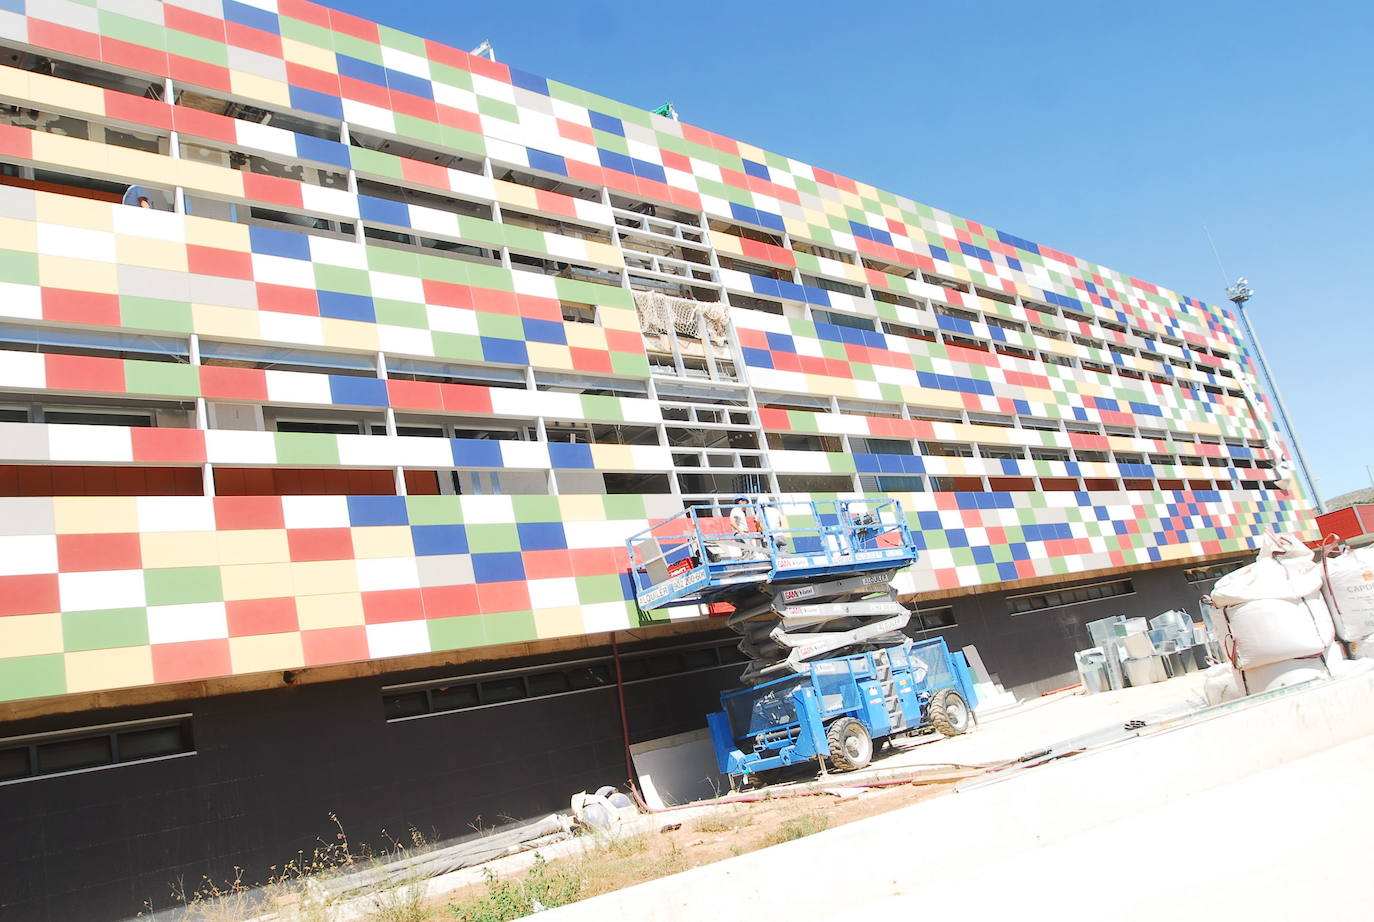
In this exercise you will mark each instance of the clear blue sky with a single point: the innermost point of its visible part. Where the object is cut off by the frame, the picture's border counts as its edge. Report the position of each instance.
(1112, 131)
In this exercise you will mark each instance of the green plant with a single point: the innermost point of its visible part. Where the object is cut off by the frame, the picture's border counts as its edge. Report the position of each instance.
(798, 827)
(514, 899)
(722, 823)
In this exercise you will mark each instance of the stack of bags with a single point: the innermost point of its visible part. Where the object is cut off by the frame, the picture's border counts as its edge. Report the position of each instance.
(1350, 590)
(1275, 622)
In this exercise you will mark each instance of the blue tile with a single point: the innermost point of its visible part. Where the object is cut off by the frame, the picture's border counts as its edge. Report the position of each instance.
(646, 170)
(606, 123)
(769, 220)
(434, 540)
(476, 453)
(814, 295)
(929, 520)
(542, 536)
(544, 331)
(975, 251)
(251, 16)
(1007, 571)
(791, 290)
(939, 253)
(13, 6)
(342, 306)
(504, 567)
(614, 161)
(571, 456)
(982, 554)
(531, 82)
(757, 170)
(757, 358)
(377, 510)
(507, 351)
(764, 286)
(383, 211)
(546, 162)
(780, 342)
(273, 242)
(348, 390)
(322, 150)
(359, 69)
(316, 103)
(1018, 242)
(743, 213)
(409, 83)
(866, 463)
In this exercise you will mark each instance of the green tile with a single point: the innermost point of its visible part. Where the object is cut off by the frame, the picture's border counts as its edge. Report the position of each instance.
(307, 448)
(181, 585)
(493, 539)
(401, 313)
(457, 346)
(19, 268)
(498, 109)
(357, 48)
(197, 48)
(434, 510)
(630, 364)
(402, 41)
(307, 32)
(162, 378)
(537, 509)
(135, 31)
(32, 676)
(624, 506)
(375, 162)
(456, 633)
(602, 407)
(604, 588)
(104, 630)
(341, 279)
(149, 313)
(502, 326)
(509, 626)
(419, 129)
(452, 76)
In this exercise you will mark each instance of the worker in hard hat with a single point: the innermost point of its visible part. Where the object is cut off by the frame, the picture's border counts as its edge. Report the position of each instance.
(745, 524)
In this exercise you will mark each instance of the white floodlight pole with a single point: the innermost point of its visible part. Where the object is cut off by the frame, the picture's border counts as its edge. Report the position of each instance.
(1239, 293)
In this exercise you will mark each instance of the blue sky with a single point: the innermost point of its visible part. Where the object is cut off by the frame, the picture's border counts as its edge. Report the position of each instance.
(1115, 132)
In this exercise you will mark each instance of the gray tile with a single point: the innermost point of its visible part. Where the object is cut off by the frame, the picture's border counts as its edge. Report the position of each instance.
(26, 515)
(445, 570)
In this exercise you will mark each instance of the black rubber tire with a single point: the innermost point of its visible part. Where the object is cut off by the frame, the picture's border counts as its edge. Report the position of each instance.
(850, 745)
(949, 713)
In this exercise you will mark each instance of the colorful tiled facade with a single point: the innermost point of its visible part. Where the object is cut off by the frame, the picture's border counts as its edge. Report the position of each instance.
(352, 226)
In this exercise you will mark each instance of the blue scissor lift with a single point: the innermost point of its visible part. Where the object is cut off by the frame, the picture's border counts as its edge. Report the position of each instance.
(810, 586)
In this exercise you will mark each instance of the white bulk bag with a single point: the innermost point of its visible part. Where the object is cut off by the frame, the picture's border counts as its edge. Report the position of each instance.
(1221, 683)
(1351, 592)
(1273, 610)
(1266, 578)
(1281, 675)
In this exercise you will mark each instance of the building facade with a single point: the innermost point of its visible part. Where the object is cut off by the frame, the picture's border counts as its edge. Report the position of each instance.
(336, 366)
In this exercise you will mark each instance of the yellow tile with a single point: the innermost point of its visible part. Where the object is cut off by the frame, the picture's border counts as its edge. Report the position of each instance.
(16, 83)
(613, 457)
(140, 164)
(153, 254)
(382, 541)
(253, 545)
(208, 232)
(69, 210)
(31, 635)
(79, 274)
(265, 652)
(179, 549)
(349, 334)
(582, 508)
(18, 235)
(92, 670)
(56, 93)
(616, 318)
(206, 177)
(260, 88)
(797, 229)
(257, 581)
(750, 152)
(549, 355)
(558, 622)
(340, 609)
(211, 320)
(87, 515)
(727, 243)
(508, 193)
(323, 577)
(51, 149)
(309, 55)
(585, 336)
(603, 254)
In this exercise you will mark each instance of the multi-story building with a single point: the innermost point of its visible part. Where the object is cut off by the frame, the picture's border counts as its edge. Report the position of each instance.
(336, 366)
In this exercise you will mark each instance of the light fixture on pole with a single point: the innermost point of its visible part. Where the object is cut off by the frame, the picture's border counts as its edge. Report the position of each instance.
(1239, 294)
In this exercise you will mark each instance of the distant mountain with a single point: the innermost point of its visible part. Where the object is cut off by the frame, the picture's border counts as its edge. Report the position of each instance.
(1352, 498)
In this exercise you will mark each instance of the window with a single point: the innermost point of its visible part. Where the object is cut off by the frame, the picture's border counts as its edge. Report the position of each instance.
(495, 688)
(24, 758)
(931, 619)
(1211, 571)
(841, 320)
(1069, 595)
(578, 313)
(286, 358)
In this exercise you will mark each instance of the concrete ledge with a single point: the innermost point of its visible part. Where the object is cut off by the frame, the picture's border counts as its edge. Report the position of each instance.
(838, 870)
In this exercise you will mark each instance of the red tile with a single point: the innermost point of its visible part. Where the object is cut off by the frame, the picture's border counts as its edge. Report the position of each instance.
(141, 111)
(575, 132)
(320, 543)
(168, 446)
(466, 398)
(64, 305)
(273, 189)
(489, 68)
(390, 605)
(200, 124)
(415, 395)
(427, 174)
(81, 553)
(29, 594)
(352, 25)
(447, 294)
(84, 373)
(596, 561)
(192, 23)
(362, 91)
(241, 36)
(16, 142)
(197, 659)
(591, 360)
(496, 302)
(61, 38)
(305, 11)
(224, 383)
(205, 260)
(286, 299)
(449, 601)
(200, 73)
(335, 645)
(551, 564)
(458, 118)
(311, 79)
(261, 616)
(509, 596)
(414, 106)
(234, 513)
(135, 57)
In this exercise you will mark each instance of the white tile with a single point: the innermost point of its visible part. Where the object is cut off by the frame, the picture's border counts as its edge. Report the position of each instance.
(381, 573)
(298, 387)
(552, 593)
(89, 443)
(527, 455)
(57, 240)
(176, 513)
(21, 369)
(604, 616)
(487, 510)
(400, 638)
(23, 554)
(227, 446)
(315, 511)
(101, 590)
(291, 328)
(192, 621)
